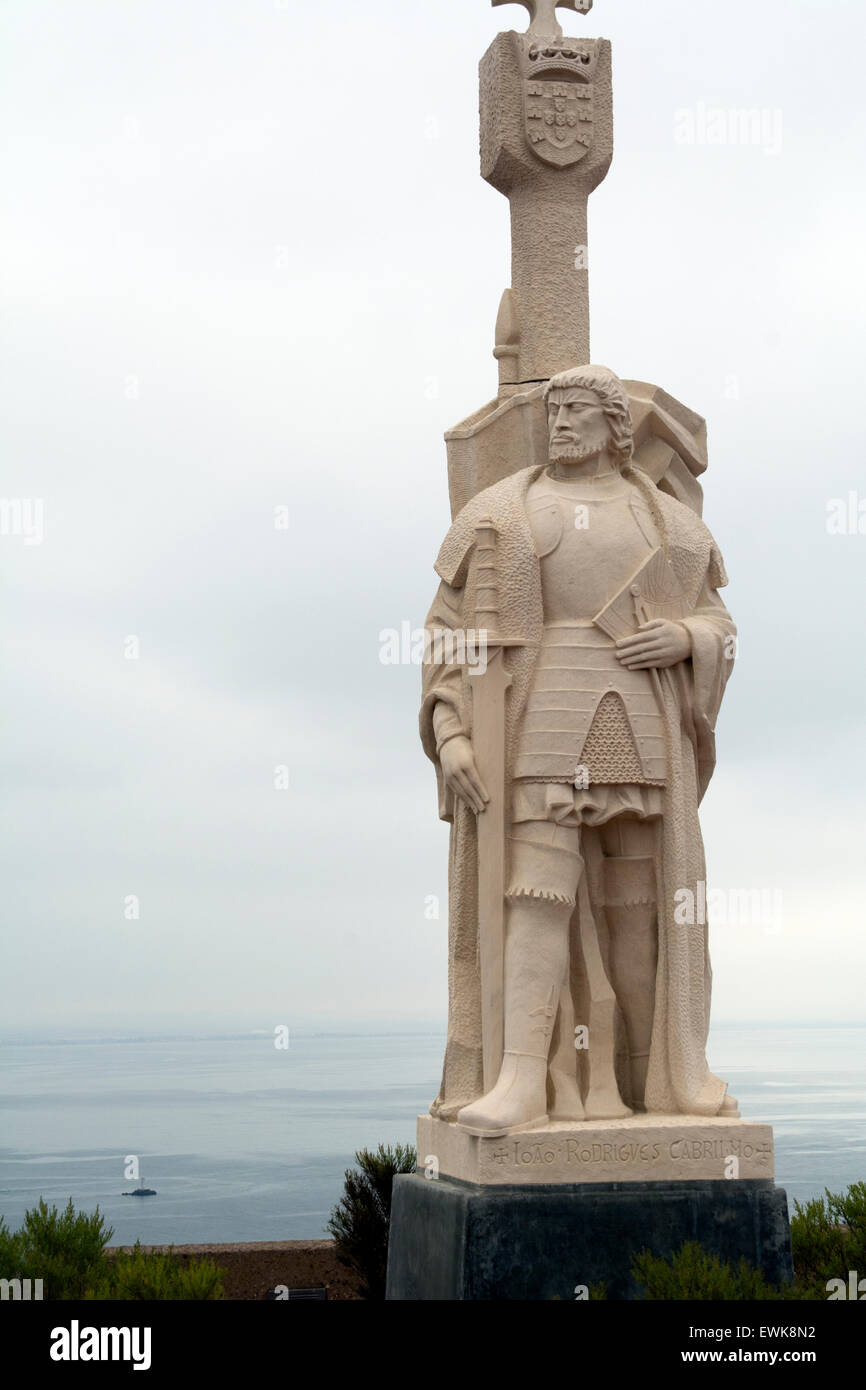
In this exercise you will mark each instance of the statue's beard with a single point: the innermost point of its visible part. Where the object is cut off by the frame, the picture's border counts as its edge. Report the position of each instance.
(579, 450)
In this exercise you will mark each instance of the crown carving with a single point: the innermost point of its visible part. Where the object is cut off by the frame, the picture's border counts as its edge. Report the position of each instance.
(562, 56)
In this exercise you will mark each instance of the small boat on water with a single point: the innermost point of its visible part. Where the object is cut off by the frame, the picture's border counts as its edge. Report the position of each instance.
(140, 1192)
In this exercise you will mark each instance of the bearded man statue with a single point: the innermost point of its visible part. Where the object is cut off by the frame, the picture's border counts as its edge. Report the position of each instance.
(619, 655)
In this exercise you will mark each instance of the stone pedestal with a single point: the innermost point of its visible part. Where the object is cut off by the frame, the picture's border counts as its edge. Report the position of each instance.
(643, 1148)
(454, 1241)
(541, 1213)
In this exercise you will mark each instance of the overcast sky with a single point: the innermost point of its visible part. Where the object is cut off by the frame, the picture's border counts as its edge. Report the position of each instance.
(249, 263)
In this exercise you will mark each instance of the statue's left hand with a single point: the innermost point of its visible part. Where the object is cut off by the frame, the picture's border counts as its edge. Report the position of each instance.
(658, 643)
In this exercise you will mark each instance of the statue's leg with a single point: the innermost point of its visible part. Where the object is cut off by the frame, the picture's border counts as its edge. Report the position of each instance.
(565, 1099)
(631, 907)
(545, 869)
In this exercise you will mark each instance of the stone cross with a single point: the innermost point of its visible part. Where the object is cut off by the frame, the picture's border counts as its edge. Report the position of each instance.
(542, 14)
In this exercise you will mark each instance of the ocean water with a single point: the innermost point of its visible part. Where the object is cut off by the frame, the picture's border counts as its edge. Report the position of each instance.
(246, 1142)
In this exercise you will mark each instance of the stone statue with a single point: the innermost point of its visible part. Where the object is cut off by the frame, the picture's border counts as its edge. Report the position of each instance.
(599, 596)
(577, 654)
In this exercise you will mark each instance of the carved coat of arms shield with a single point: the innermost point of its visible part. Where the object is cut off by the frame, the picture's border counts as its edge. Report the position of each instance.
(558, 119)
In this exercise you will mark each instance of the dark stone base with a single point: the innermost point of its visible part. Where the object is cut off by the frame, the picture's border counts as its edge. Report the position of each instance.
(454, 1241)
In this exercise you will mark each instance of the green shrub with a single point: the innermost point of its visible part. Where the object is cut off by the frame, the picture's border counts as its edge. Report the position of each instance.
(9, 1247)
(693, 1273)
(63, 1249)
(828, 1238)
(66, 1250)
(11, 1253)
(158, 1276)
(360, 1221)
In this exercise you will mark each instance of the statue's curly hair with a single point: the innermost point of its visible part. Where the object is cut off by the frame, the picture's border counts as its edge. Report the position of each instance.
(614, 402)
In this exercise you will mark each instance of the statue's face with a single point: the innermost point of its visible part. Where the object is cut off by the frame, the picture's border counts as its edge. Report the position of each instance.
(578, 426)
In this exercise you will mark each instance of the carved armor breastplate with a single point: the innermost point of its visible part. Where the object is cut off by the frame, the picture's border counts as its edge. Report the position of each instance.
(585, 709)
(590, 540)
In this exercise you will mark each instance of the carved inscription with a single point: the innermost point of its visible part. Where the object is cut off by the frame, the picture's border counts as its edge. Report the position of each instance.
(680, 1150)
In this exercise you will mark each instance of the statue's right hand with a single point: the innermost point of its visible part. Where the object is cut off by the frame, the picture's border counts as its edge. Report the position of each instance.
(461, 774)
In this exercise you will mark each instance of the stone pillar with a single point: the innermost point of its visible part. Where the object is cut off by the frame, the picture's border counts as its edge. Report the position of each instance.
(546, 143)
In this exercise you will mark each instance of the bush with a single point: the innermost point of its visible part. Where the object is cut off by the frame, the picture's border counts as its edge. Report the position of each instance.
(360, 1221)
(63, 1249)
(693, 1273)
(159, 1276)
(828, 1238)
(66, 1250)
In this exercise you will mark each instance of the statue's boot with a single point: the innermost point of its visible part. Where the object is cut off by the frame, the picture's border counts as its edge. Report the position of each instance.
(632, 913)
(517, 1101)
(567, 1101)
(536, 956)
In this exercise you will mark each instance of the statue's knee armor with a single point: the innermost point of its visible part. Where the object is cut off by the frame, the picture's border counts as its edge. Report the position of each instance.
(544, 862)
(630, 882)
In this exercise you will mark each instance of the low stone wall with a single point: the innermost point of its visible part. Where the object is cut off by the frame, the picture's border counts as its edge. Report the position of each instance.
(254, 1267)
